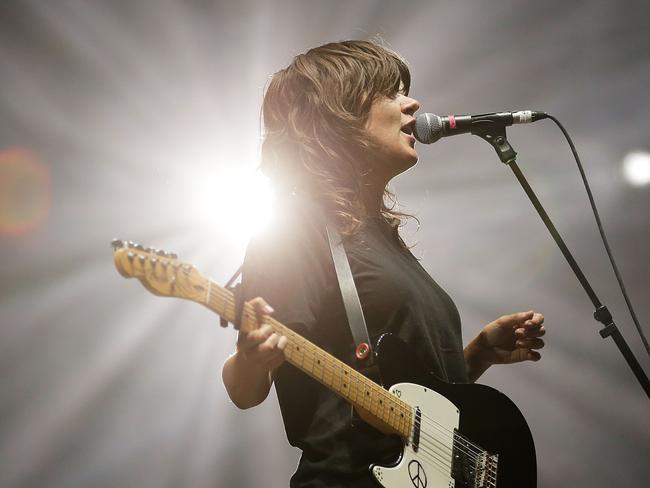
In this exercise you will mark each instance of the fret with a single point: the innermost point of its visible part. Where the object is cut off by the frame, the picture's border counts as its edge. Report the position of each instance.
(394, 415)
(355, 388)
(336, 379)
(328, 376)
(324, 366)
(318, 369)
(368, 397)
(354, 392)
(183, 281)
(308, 362)
(224, 306)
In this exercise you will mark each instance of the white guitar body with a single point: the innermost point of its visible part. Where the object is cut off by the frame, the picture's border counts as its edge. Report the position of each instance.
(430, 465)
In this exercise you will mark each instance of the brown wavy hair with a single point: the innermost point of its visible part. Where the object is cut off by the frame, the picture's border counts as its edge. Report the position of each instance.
(314, 115)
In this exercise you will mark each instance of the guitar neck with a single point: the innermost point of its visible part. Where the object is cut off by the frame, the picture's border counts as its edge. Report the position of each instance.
(376, 405)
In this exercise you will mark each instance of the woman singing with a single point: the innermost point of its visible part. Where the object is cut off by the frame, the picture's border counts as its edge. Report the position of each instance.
(338, 123)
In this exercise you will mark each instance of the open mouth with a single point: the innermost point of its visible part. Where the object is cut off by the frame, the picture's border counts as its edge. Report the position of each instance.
(408, 130)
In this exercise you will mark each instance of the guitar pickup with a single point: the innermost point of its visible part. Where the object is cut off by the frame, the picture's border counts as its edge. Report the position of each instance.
(416, 429)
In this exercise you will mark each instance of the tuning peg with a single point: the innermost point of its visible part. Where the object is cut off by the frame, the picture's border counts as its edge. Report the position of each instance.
(172, 255)
(164, 264)
(130, 255)
(160, 252)
(130, 244)
(142, 259)
(117, 244)
(153, 261)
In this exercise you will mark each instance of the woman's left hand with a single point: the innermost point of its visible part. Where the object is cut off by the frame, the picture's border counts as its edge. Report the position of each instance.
(509, 339)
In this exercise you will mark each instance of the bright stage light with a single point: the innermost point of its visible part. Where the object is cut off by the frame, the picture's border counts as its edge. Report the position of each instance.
(231, 203)
(636, 168)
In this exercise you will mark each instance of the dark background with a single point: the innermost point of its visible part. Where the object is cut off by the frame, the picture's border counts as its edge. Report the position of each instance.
(118, 118)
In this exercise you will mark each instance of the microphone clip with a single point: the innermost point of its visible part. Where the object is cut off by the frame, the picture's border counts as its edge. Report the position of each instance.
(495, 134)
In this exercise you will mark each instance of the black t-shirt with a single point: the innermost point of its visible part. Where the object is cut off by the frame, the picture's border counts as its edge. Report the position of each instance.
(290, 265)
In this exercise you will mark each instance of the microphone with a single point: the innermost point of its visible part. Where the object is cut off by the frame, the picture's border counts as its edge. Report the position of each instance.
(431, 127)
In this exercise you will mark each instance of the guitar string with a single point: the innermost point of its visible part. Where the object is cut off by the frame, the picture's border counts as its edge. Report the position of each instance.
(445, 451)
(368, 383)
(486, 470)
(445, 448)
(472, 464)
(431, 453)
(227, 301)
(460, 447)
(455, 443)
(487, 475)
(429, 441)
(474, 459)
(226, 297)
(465, 449)
(472, 454)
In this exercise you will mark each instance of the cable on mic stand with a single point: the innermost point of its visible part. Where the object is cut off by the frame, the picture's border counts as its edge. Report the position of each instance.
(494, 132)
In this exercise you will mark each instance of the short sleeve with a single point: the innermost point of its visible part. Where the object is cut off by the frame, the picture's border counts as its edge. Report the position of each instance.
(289, 265)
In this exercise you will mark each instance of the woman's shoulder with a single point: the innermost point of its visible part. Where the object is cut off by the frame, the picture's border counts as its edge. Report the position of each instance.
(297, 224)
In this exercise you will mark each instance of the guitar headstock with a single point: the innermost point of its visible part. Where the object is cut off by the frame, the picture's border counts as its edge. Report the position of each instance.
(160, 272)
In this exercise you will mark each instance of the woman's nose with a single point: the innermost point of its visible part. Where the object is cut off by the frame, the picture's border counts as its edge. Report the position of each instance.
(410, 106)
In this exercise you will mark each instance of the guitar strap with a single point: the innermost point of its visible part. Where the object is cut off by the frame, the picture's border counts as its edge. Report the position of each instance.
(351, 302)
(236, 290)
(354, 313)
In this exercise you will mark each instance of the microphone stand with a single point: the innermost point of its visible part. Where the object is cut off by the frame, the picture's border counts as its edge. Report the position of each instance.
(495, 134)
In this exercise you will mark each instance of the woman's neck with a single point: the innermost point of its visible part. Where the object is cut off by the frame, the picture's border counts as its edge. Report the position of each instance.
(373, 198)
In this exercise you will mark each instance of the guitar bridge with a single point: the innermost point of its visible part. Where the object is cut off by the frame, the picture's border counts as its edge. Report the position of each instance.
(472, 469)
(486, 470)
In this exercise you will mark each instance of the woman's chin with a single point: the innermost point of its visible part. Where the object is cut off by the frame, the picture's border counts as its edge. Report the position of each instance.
(407, 163)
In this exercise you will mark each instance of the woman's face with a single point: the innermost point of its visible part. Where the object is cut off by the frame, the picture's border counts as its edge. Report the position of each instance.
(390, 127)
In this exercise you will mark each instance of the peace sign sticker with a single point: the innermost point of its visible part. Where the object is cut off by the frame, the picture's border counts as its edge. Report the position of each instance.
(417, 474)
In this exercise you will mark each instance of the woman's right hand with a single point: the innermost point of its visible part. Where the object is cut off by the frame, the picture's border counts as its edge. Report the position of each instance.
(262, 347)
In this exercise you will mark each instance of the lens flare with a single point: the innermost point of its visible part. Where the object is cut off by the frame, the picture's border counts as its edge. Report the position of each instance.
(636, 168)
(231, 203)
(24, 192)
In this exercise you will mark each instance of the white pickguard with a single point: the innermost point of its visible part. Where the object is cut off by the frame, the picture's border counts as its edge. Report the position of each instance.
(430, 466)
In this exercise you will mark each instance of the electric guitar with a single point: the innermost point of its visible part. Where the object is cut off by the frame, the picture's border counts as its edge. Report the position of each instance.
(454, 435)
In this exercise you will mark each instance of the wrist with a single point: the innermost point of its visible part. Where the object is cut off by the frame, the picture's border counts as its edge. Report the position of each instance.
(248, 365)
(476, 355)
